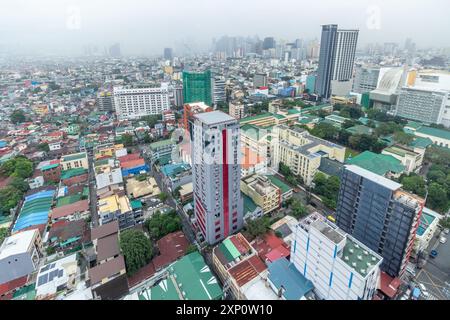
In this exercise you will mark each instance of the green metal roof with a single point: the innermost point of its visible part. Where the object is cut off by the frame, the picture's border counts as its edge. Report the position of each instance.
(414, 125)
(75, 156)
(280, 184)
(136, 204)
(377, 163)
(49, 167)
(294, 111)
(257, 117)
(253, 132)
(439, 133)
(64, 201)
(163, 290)
(231, 249)
(67, 174)
(160, 144)
(196, 278)
(420, 142)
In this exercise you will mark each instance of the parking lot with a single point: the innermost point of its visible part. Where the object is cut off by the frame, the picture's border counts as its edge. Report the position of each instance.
(435, 275)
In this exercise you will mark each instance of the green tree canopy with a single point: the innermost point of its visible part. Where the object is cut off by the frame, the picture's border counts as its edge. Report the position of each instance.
(414, 184)
(161, 224)
(437, 197)
(136, 248)
(17, 116)
(403, 138)
(3, 234)
(127, 140)
(258, 227)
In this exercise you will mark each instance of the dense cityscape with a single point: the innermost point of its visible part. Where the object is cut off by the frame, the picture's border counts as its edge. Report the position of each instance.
(259, 169)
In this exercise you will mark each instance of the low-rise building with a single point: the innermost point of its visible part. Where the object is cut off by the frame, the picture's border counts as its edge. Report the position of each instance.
(409, 158)
(161, 152)
(241, 270)
(74, 161)
(302, 152)
(262, 191)
(428, 225)
(339, 266)
(118, 208)
(20, 255)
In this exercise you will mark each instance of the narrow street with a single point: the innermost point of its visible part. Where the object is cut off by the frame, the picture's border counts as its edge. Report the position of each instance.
(92, 192)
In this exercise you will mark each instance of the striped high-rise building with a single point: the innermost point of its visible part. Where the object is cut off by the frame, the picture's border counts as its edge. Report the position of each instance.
(216, 169)
(336, 59)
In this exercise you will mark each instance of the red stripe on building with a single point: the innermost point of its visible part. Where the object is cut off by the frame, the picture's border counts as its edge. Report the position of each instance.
(225, 184)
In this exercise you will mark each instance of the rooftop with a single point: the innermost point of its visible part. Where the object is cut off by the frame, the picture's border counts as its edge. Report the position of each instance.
(358, 257)
(17, 243)
(214, 117)
(284, 275)
(379, 164)
(75, 156)
(380, 180)
(439, 133)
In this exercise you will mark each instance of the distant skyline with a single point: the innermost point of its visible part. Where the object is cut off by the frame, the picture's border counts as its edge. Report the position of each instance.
(147, 27)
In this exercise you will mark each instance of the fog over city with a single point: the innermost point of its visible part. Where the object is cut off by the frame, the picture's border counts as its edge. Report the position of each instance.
(145, 27)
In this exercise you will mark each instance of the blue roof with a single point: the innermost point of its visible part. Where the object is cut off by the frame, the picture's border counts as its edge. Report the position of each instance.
(283, 273)
(3, 143)
(35, 210)
(174, 169)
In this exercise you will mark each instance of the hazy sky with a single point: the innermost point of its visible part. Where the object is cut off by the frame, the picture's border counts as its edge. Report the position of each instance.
(147, 26)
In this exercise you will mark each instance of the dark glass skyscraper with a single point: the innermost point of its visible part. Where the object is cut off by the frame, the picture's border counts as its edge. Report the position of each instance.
(377, 212)
(269, 43)
(168, 53)
(197, 87)
(336, 59)
(326, 56)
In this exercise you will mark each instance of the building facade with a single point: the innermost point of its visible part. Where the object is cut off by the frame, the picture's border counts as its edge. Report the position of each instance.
(105, 101)
(197, 87)
(377, 212)
(336, 59)
(216, 172)
(302, 152)
(134, 103)
(339, 266)
(262, 191)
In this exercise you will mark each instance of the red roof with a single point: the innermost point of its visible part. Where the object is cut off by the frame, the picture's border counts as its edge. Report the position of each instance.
(247, 270)
(129, 157)
(171, 247)
(388, 285)
(64, 211)
(132, 163)
(142, 274)
(74, 180)
(12, 285)
(278, 253)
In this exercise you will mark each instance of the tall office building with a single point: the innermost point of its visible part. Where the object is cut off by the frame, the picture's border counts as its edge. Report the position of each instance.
(378, 213)
(268, 43)
(168, 53)
(216, 170)
(218, 90)
(336, 59)
(197, 87)
(178, 96)
(105, 101)
(134, 103)
(259, 80)
(114, 50)
(339, 266)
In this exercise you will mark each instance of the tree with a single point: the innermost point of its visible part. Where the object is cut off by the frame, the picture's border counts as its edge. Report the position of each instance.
(136, 248)
(327, 188)
(127, 140)
(414, 184)
(17, 116)
(298, 210)
(19, 184)
(191, 248)
(444, 223)
(437, 197)
(160, 224)
(284, 169)
(152, 119)
(147, 138)
(3, 234)
(258, 227)
(403, 138)
(9, 198)
(325, 131)
(19, 167)
(386, 128)
(43, 147)
(163, 197)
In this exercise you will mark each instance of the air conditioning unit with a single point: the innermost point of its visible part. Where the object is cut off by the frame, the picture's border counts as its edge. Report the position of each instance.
(363, 270)
(346, 258)
(354, 264)
(359, 257)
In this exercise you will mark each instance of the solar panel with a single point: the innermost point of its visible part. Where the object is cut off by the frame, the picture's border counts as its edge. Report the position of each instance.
(53, 274)
(52, 265)
(61, 272)
(45, 268)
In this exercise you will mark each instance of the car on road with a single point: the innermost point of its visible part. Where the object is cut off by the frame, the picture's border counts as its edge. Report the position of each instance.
(331, 218)
(443, 240)
(433, 254)
(446, 230)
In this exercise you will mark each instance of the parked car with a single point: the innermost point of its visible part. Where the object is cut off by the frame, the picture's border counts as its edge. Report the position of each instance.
(446, 230)
(443, 240)
(433, 254)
